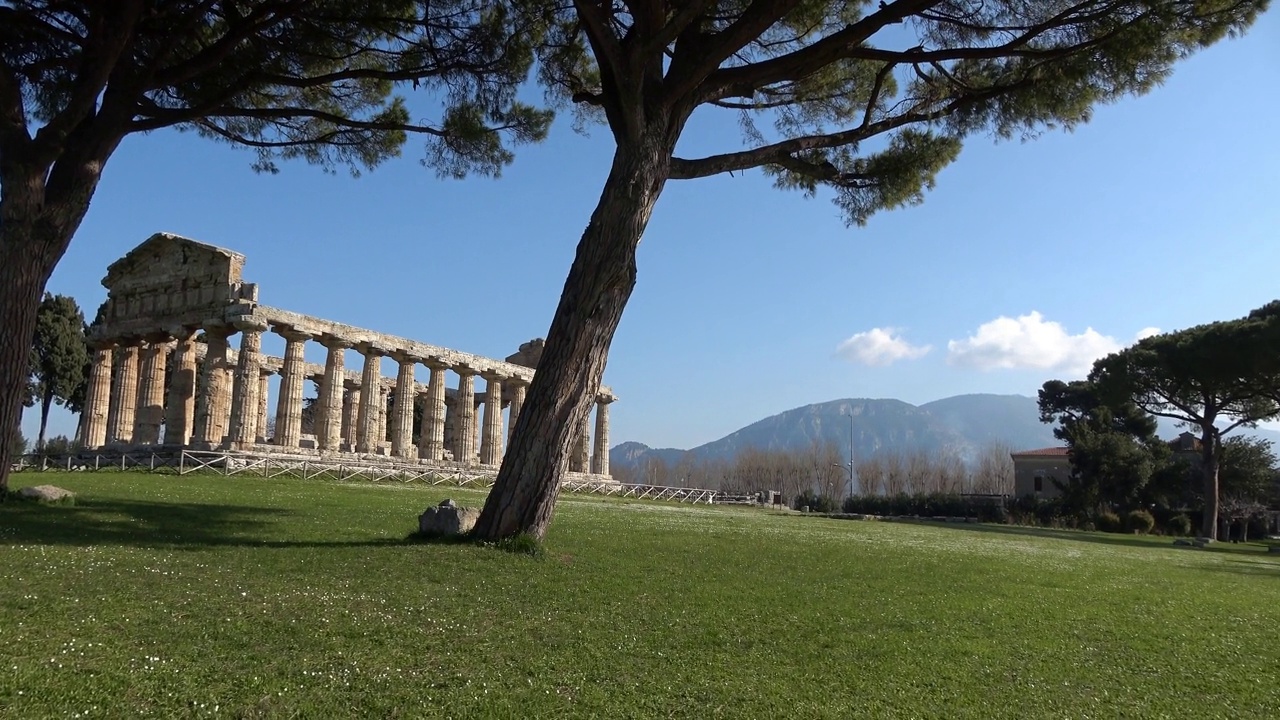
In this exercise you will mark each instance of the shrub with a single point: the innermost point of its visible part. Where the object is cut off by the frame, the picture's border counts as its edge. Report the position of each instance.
(817, 503)
(934, 504)
(1139, 521)
(1179, 524)
(1108, 521)
(19, 442)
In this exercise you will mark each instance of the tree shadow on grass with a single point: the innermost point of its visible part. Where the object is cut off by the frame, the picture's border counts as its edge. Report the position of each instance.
(1246, 566)
(1140, 542)
(138, 523)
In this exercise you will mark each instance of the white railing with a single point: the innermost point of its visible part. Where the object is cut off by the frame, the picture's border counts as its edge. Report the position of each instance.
(186, 462)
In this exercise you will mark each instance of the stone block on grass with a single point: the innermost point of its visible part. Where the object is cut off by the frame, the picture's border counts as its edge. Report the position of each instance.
(447, 519)
(46, 494)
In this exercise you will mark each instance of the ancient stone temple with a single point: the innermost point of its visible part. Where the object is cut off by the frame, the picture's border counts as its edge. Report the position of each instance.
(165, 373)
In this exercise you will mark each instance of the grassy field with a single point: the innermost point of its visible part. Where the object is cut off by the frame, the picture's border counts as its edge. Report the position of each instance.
(238, 597)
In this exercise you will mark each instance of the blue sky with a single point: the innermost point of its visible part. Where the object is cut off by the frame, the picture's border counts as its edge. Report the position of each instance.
(1025, 263)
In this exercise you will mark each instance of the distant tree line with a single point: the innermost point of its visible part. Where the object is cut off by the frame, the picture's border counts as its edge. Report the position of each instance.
(820, 475)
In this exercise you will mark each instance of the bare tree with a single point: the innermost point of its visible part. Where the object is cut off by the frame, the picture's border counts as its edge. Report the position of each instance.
(994, 474)
(895, 473)
(655, 472)
(871, 475)
(952, 474)
(919, 470)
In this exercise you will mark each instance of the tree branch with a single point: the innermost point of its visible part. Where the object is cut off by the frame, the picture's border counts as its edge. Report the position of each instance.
(105, 43)
(876, 88)
(781, 152)
(611, 62)
(745, 78)
(686, 75)
(165, 118)
(13, 117)
(689, 12)
(223, 47)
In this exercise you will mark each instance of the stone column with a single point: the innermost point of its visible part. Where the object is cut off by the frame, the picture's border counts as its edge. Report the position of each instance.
(248, 379)
(380, 436)
(97, 399)
(350, 411)
(600, 459)
(465, 436)
(491, 440)
(179, 411)
(292, 377)
(581, 451)
(149, 411)
(264, 391)
(431, 441)
(420, 407)
(208, 428)
(518, 388)
(475, 431)
(402, 421)
(222, 402)
(451, 426)
(316, 411)
(329, 433)
(367, 417)
(124, 395)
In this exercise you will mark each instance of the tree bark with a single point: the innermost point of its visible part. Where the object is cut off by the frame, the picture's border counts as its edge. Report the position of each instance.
(26, 261)
(568, 375)
(40, 211)
(1209, 474)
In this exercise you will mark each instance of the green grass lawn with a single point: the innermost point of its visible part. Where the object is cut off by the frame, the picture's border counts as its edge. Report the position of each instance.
(240, 597)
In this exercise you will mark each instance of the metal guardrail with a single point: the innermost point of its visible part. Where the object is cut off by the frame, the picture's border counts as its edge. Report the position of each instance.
(186, 462)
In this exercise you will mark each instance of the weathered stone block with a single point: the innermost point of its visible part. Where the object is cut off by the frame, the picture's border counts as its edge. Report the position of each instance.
(46, 493)
(447, 519)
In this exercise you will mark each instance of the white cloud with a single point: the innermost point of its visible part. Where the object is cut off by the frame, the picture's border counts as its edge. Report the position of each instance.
(1030, 341)
(879, 347)
(1147, 332)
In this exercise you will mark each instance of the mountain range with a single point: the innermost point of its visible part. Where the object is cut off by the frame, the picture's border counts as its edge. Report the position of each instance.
(962, 425)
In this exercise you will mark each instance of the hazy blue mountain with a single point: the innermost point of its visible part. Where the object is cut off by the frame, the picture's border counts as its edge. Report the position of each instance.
(1012, 420)
(964, 425)
(631, 454)
(876, 425)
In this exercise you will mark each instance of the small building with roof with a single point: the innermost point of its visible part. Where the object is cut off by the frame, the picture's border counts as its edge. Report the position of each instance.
(1034, 472)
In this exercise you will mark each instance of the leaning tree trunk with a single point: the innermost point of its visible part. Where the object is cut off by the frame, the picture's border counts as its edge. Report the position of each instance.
(25, 266)
(1209, 474)
(40, 210)
(568, 376)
